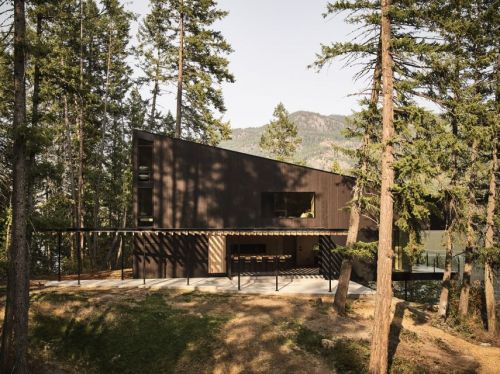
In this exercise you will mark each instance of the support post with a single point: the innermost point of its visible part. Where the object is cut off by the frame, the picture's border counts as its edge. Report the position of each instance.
(277, 270)
(188, 263)
(330, 275)
(78, 255)
(239, 273)
(229, 261)
(122, 257)
(144, 266)
(406, 291)
(239, 268)
(59, 239)
(427, 258)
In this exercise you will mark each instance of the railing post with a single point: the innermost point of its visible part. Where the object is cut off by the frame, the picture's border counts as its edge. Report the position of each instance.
(435, 264)
(229, 261)
(277, 270)
(59, 234)
(330, 275)
(406, 291)
(239, 267)
(427, 258)
(122, 257)
(188, 264)
(239, 272)
(144, 266)
(78, 254)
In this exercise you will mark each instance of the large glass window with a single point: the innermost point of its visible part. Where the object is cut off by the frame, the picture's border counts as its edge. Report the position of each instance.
(288, 204)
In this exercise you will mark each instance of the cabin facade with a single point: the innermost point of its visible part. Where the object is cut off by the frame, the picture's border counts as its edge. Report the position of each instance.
(201, 207)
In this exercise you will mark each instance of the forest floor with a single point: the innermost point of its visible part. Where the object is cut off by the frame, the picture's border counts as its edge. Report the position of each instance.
(140, 331)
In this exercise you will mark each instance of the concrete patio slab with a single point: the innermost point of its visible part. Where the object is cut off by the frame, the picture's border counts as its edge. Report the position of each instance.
(264, 285)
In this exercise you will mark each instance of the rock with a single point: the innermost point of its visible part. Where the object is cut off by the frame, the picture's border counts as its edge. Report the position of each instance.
(485, 344)
(327, 343)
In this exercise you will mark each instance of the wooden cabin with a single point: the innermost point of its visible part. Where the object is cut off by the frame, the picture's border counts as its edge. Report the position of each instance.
(200, 207)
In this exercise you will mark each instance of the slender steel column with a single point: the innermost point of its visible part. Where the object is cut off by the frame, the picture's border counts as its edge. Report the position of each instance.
(59, 235)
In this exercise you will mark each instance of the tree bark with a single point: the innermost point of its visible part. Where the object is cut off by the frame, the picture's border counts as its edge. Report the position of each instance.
(180, 67)
(346, 267)
(446, 283)
(70, 168)
(380, 337)
(489, 243)
(80, 184)
(156, 90)
(463, 306)
(97, 198)
(15, 326)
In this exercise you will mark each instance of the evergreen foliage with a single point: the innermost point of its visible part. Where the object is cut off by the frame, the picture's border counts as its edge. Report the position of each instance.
(280, 138)
(204, 66)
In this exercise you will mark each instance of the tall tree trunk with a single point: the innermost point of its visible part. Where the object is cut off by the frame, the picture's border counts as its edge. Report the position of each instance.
(14, 348)
(180, 67)
(70, 168)
(37, 74)
(463, 305)
(80, 188)
(97, 196)
(489, 242)
(156, 91)
(340, 299)
(446, 283)
(382, 315)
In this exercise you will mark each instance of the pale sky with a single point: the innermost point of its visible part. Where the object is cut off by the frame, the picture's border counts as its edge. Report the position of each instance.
(273, 42)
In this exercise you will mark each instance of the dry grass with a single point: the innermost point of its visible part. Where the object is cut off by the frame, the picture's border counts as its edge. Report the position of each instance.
(136, 331)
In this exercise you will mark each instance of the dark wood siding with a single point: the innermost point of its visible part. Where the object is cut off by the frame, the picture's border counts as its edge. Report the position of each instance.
(170, 256)
(197, 186)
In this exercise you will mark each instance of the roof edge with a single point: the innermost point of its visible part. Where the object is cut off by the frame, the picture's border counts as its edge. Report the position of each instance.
(135, 131)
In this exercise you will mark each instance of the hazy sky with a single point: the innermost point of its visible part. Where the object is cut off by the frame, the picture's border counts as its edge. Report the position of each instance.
(273, 42)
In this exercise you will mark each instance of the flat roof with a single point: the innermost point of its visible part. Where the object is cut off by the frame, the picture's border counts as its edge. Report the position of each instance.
(205, 231)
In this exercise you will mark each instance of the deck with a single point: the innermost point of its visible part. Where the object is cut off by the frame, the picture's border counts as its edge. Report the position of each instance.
(261, 285)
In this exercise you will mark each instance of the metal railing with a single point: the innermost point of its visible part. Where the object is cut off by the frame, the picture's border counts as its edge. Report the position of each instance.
(278, 262)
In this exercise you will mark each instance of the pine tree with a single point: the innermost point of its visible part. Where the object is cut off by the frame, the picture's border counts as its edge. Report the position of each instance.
(455, 81)
(154, 53)
(6, 106)
(380, 335)
(366, 125)
(280, 138)
(178, 44)
(14, 347)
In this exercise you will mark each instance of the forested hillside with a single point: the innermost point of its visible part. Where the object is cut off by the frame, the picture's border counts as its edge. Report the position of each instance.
(320, 136)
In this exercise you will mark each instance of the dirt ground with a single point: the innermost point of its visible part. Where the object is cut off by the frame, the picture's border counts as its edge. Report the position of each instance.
(256, 337)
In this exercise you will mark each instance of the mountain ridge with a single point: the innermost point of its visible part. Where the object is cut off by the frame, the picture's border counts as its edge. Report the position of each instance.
(320, 135)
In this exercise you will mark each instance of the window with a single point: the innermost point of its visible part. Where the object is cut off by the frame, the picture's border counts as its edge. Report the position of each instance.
(144, 160)
(288, 204)
(248, 249)
(145, 206)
